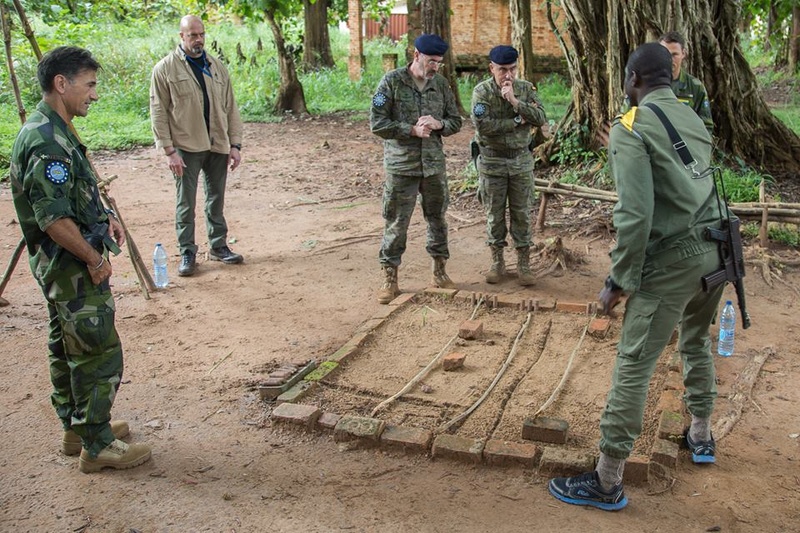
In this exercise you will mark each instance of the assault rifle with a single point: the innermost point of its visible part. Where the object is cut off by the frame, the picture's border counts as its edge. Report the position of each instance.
(731, 254)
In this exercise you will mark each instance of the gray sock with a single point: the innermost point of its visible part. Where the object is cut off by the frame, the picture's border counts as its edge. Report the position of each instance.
(700, 430)
(609, 470)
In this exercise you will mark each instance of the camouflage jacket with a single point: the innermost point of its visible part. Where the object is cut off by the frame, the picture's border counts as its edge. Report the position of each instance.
(662, 211)
(691, 92)
(51, 178)
(396, 107)
(498, 134)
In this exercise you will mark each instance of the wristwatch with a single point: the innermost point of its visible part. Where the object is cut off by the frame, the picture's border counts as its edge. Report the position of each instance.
(237, 146)
(518, 120)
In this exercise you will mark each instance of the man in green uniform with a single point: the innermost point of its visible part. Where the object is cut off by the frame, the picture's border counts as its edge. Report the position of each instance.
(412, 109)
(686, 87)
(68, 233)
(503, 111)
(661, 217)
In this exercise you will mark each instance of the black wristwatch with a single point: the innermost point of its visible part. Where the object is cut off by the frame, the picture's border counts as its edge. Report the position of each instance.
(518, 120)
(610, 285)
(237, 146)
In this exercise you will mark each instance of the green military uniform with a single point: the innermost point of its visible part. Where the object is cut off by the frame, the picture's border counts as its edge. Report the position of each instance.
(660, 256)
(505, 165)
(51, 178)
(413, 165)
(690, 91)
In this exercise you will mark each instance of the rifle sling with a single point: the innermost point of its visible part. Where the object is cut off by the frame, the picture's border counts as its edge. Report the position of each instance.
(677, 142)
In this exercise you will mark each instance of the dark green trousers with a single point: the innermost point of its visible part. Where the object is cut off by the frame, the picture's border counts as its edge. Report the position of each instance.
(214, 168)
(85, 354)
(668, 295)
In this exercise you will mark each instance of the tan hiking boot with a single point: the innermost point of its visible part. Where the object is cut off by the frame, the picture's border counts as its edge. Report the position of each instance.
(71, 443)
(440, 277)
(118, 454)
(498, 269)
(390, 290)
(524, 274)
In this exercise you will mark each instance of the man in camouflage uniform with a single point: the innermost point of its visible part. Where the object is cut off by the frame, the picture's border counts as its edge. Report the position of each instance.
(413, 108)
(686, 87)
(661, 217)
(68, 233)
(503, 111)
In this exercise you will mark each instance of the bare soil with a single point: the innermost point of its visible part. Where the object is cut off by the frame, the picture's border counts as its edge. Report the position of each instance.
(304, 209)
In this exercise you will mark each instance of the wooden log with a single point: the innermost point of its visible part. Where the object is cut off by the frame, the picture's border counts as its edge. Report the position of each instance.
(10, 269)
(763, 232)
(542, 212)
(742, 389)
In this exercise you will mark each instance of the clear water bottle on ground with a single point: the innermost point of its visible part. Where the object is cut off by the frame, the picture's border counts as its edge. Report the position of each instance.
(727, 326)
(160, 266)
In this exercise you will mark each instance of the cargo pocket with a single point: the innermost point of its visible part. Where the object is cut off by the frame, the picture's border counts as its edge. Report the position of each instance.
(88, 330)
(637, 324)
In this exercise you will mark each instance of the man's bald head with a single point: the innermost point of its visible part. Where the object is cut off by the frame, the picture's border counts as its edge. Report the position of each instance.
(193, 35)
(649, 67)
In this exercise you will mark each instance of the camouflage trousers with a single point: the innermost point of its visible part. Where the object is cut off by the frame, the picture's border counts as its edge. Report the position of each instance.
(85, 354)
(514, 191)
(399, 199)
(214, 168)
(668, 295)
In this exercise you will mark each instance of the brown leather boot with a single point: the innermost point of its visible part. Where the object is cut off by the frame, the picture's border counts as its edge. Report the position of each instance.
(440, 277)
(71, 443)
(524, 274)
(390, 290)
(498, 269)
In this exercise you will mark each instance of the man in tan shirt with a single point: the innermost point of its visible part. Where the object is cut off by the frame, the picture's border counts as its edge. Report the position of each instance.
(196, 123)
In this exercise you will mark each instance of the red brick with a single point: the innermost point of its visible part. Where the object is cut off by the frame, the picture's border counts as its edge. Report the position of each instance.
(459, 448)
(543, 429)
(665, 453)
(637, 470)
(403, 298)
(505, 300)
(281, 374)
(366, 431)
(572, 307)
(368, 326)
(328, 421)
(466, 296)
(599, 327)
(562, 462)
(444, 293)
(453, 361)
(471, 329)
(343, 353)
(546, 305)
(670, 426)
(671, 400)
(674, 381)
(296, 413)
(294, 394)
(271, 382)
(409, 439)
(505, 453)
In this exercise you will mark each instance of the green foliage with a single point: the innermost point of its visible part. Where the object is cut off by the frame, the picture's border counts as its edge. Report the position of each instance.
(465, 181)
(571, 145)
(742, 184)
(786, 234)
(556, 96)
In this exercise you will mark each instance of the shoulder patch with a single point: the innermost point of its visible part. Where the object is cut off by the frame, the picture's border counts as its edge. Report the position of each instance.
(628, 118)
(51, 157)
(479, 110)
(379, 100)
(57, 172)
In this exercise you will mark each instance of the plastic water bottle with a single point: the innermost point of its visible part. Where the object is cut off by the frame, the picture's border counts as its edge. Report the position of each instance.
(160, 266)
(727, 326)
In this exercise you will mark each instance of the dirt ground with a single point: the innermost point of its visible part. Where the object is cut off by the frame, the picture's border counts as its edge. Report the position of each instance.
(304, 209)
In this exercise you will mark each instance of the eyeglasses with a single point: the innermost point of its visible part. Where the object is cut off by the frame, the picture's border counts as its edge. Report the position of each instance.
(433, 63)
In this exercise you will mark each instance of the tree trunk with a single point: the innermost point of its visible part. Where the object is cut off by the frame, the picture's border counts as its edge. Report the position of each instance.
(316, 40)
(435, 18)
(794, 39)
(603, 34)
(414, 27)
(290, 94)
(520, 11)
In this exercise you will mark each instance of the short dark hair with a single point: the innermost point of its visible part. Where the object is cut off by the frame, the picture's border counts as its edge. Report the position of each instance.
(652, 62)
(67, 61)
(673, 37)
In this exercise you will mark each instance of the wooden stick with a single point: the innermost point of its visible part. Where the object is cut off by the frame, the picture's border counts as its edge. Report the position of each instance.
(10, 269)
(742, 388)
(542, 211)
(145, 280)
(763, 232)
(28, 30)
(10, 62)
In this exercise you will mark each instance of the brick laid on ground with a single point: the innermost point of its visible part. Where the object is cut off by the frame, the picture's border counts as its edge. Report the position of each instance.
(665, 453)
(366, 431)
(545, 429)
(409, 439)
(459, 448)
(471, 329)
(670, 426)
(294, 394)
(328, 421)
(599, 327)
(572, 307)
(561, 462)
(505, 453)
(453, 361)
(297, 413)
(637, 470)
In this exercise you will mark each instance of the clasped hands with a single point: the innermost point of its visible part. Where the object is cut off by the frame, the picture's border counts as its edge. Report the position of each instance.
(425, 126)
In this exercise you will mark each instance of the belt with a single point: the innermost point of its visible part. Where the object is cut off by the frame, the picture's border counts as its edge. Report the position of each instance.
(508, 154)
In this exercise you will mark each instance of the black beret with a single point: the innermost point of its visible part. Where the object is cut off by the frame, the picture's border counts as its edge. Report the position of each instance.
(431, 44)
(503, 55)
